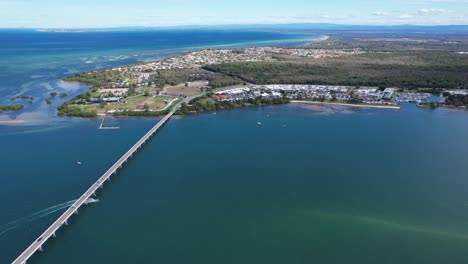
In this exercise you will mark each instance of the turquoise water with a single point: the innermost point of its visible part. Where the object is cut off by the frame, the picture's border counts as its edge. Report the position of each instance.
(33, 63)
(313, 184)
(325, 185)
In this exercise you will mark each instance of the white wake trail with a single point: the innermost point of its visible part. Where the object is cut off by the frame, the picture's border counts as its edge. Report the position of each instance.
(40, 214)
(34, 216)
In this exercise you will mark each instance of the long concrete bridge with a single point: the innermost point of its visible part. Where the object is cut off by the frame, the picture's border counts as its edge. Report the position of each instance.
(63, 219)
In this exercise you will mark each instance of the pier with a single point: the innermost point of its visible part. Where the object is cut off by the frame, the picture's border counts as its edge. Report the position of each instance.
(63, 219)
(104, 127)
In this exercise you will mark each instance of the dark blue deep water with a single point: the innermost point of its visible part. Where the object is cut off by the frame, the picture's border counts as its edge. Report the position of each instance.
(312, 185)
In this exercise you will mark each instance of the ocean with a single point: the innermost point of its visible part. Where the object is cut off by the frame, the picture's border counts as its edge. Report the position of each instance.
(313, 184)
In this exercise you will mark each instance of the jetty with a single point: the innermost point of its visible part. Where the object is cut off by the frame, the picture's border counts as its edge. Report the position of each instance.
(104, 127)
(83, 200)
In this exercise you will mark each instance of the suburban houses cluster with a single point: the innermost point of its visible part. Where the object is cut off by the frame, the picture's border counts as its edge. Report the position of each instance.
(367, 95)
(198, 59)
(411, 97)
(315, 53)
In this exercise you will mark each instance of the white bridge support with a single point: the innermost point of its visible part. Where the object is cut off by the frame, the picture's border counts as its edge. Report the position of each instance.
(63, 219)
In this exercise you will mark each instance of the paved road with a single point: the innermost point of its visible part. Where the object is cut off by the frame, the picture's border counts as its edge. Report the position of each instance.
(37, 244)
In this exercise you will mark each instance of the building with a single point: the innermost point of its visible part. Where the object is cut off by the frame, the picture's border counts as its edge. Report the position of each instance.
(388, 93)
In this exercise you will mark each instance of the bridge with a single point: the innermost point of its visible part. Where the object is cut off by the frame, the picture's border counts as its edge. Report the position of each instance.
(63, 219)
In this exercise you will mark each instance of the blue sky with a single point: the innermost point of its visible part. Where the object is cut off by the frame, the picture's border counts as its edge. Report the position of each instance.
(115, 13)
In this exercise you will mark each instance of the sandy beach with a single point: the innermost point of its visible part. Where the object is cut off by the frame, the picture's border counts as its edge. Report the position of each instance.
(11, 122)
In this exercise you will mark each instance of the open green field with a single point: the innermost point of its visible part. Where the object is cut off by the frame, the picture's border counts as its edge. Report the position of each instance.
(133, 103)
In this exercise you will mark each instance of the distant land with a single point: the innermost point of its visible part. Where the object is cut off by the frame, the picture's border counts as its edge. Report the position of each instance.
(289, 27)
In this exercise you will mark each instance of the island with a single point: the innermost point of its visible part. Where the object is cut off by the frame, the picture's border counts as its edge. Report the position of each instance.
(14, 107)
(337, 71)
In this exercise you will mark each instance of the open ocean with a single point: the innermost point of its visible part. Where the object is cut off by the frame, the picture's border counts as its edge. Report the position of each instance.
(312, 185)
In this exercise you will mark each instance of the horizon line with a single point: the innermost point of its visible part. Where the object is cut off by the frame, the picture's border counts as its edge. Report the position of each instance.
(238, 25)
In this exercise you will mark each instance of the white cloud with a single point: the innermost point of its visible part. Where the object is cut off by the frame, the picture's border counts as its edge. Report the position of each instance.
(379, 14)
(431, 11)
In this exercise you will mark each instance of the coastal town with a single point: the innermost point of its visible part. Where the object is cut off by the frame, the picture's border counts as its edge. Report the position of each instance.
(143, 75)
(323, 93)
(158, 85)
(198, 59)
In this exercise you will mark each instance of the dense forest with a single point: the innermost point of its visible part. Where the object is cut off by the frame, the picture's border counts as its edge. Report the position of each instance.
(174, 77)
(457, 100)
(408, 70)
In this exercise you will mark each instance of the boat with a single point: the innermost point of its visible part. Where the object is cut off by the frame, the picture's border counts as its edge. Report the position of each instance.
(79, 163)
(260, 124)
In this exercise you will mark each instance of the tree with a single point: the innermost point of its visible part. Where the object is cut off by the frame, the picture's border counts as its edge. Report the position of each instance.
(102, 104)
(146, 107)
(131, 91)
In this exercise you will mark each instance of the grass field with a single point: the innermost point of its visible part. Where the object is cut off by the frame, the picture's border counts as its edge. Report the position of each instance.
(180, 90)
(134, 103)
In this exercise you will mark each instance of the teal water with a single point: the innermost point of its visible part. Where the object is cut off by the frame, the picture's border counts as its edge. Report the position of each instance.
(312, 185)
(326, 185)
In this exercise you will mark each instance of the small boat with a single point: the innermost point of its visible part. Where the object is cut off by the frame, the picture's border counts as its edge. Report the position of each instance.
(79, 163)
(260, 124)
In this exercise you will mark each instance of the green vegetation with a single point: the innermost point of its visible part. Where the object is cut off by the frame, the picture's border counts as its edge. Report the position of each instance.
(48, 101)
(63, 95)
(23, 97)
(53, 94)
(207, 104)
(75, 110)
(428, 61)
(142, 113)
(97, 78)
(15, 107)
(409, 70)
(175, 77)
(457, 100)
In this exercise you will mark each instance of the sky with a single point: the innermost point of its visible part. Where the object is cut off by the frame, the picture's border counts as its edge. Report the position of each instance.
(154, 13)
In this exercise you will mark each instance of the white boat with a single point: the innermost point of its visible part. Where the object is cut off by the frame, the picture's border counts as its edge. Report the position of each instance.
(79, 163)
(260, 124)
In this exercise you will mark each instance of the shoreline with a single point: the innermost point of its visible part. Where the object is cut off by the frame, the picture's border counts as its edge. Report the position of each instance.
(11, 122)
(345, 104)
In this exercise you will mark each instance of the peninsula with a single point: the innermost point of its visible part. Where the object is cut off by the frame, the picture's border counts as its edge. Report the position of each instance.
(368, 72)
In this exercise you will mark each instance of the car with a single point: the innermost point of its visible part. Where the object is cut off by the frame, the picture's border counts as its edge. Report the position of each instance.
(39, 240)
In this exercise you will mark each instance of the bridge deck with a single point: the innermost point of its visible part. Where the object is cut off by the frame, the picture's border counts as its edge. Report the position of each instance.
(37, 244)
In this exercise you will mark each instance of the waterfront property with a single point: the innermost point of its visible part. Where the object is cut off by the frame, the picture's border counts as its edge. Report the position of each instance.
(332, 93)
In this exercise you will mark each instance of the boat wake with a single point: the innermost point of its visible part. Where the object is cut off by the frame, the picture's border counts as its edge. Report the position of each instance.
(40, 214)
